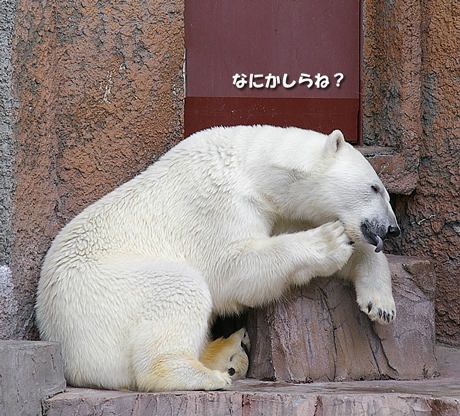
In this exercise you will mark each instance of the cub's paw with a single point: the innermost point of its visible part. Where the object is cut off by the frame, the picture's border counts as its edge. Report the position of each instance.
(334, 246)
(229, 355)
(379, 307)
(245, 342)
(218, 381)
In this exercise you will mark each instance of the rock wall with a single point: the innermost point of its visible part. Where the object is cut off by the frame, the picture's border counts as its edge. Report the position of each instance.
(98, 88)
(411, 87)
(8, 302)
(92, 92)
(431, 216)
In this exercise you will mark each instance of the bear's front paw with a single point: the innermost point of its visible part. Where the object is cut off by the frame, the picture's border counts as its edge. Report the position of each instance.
(380, 308)
(336, 248)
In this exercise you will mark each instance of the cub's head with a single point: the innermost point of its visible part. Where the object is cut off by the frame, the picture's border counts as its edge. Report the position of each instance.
(229, 355)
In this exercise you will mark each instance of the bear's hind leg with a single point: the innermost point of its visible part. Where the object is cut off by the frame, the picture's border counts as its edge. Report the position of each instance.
(171, 331)
(179, 372)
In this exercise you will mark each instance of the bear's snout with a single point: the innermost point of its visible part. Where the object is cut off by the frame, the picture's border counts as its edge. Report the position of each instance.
(393, 231)
(374, 233)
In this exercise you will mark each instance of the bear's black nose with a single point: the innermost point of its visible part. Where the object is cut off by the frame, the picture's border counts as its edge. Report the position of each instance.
(393, 231)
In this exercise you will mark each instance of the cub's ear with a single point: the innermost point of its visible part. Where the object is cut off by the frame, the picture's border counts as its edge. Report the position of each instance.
(333, 143)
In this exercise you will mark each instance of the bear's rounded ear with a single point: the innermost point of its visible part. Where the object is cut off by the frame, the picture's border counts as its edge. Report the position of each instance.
(333, 143)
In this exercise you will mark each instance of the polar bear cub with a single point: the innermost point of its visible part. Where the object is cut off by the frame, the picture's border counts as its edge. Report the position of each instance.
(229, 218)
(229, 355)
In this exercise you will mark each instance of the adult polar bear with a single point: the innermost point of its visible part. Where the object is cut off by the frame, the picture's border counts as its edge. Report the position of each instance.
(130, 286)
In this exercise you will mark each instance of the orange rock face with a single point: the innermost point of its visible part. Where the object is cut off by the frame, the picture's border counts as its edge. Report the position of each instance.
(99, 93)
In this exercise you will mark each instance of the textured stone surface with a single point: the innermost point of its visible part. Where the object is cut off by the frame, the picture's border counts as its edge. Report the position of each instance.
(8, 301)
(275, 401)
(410, 104)
(391, 79)
(436, 397)
(99, 93)
(92, 92)
(431, 216)
(7, 181)
(391, 168)
(29, 372)
(317, 333)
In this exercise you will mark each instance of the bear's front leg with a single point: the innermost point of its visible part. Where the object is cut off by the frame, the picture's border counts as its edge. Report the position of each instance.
(261, 269)
(371, 276)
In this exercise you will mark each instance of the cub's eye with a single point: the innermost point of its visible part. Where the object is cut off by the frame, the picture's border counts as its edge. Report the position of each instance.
(231, 371)
(375, 188)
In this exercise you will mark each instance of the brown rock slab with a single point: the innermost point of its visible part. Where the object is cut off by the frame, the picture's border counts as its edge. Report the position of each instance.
(317, 332)
(439, 396)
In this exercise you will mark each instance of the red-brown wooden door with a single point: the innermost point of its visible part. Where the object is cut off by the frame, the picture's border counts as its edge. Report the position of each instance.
(267, 62)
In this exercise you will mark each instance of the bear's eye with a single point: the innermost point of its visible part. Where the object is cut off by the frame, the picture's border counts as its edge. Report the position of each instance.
(375, 188)
(231, 371)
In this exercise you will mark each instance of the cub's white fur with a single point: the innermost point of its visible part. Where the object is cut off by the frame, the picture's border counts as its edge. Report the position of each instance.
(229, 218)
(229, 355)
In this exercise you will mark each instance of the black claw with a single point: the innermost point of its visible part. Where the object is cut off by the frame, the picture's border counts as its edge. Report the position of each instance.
(384, 315)
(388, 318)
(369, 307)
(245, 348)
(380, 313)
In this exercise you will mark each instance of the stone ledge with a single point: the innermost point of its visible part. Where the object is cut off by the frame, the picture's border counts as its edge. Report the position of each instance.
(317, 333)
(29, 372)
(440, 397)
(392, 169)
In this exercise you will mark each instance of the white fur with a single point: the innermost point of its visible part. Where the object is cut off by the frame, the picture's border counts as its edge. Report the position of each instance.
(130, 285)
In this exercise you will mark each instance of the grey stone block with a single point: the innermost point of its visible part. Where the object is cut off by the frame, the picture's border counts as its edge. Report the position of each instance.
(30, 371)
(317, 333)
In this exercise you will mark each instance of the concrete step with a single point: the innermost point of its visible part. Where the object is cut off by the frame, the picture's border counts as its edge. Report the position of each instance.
(29, 372)
(438, 396)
